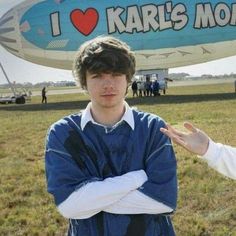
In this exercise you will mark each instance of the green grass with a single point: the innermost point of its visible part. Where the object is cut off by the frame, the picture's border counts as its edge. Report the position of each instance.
(207, 200)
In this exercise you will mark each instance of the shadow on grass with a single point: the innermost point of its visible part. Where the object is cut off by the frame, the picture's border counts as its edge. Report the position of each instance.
(68, 105)
(176, 99)
(163, 99)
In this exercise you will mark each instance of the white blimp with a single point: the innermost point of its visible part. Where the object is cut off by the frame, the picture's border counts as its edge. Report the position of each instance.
(163, 34)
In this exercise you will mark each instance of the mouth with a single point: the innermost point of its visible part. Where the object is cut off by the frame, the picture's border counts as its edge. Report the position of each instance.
(108, 95)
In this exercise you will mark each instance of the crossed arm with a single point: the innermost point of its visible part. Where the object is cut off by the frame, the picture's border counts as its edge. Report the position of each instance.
(79, 195)
(118, 195)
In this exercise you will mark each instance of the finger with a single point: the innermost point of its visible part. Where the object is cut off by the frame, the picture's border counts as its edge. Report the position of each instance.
(190, 127)
(163, 130)
(175, 131)
(170, 130)
(170, 134)
(166, 132)
(175, 138)
(178, 140)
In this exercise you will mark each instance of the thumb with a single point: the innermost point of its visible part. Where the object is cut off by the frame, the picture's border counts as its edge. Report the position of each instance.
(190, 127)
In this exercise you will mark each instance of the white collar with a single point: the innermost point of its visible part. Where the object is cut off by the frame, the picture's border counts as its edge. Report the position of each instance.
(128, 117)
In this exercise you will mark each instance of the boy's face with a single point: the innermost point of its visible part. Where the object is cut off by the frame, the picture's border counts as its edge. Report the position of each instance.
(106, 90)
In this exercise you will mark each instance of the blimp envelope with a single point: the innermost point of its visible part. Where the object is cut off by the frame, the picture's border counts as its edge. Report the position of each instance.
(163, 34)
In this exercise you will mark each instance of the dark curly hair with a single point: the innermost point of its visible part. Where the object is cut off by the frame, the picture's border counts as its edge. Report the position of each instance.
(103, 54)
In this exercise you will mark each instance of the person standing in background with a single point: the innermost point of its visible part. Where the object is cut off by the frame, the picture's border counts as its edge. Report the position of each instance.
(44, 97)
(134, 87)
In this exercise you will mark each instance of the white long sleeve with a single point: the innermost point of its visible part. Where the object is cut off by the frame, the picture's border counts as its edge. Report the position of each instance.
(97, 196)
(222, 158)
(138, 203)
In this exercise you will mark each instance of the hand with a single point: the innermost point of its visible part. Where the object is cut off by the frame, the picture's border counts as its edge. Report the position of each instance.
(196, 141)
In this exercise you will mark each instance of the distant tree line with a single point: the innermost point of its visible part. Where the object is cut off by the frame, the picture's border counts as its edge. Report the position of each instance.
(42, 84)
(186, 76)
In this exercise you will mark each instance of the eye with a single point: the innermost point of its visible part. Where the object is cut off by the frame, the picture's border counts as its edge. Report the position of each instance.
(95, 76)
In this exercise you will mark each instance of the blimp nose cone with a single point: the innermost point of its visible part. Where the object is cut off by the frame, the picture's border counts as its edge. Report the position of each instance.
(8, 31)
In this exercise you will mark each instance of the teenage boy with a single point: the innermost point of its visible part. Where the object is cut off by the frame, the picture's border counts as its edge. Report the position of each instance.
(110, 169)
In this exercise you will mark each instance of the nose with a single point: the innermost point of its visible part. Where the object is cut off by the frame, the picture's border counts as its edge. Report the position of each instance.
(108, 80)
(8, 33)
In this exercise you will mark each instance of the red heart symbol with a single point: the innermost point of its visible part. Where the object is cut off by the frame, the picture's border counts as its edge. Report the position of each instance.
(84, 22)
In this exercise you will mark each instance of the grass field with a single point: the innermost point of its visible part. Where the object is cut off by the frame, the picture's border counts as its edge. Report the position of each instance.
(207, 200)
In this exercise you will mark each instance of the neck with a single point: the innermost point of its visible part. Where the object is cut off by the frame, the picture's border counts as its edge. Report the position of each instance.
(107, 116)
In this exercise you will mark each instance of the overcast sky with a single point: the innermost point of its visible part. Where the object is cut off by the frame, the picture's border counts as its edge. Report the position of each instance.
(22, 71)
